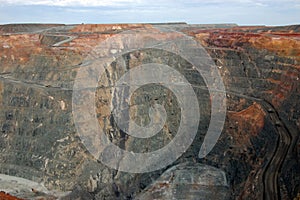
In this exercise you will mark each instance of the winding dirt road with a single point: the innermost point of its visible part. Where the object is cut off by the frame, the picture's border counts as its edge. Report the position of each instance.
(273, 169)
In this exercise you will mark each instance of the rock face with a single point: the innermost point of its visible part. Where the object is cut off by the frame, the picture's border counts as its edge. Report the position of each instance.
(258, 150)
(188, 182)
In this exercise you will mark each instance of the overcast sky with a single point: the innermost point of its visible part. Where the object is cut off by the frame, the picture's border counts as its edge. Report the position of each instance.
(243, 12)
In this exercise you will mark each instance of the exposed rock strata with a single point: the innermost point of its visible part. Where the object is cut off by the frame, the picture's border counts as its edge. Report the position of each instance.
(39, 142)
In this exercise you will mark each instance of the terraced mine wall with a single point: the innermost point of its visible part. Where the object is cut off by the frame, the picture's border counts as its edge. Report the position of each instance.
(258, 150)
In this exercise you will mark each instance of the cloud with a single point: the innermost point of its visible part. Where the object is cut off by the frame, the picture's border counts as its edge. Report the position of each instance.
(85, 3)
(270, 12)
(145, 3)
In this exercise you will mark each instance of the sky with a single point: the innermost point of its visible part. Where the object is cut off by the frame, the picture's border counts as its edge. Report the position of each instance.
(242, 12)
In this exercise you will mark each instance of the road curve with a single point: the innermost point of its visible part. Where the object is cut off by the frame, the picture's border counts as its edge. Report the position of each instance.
(273, 168)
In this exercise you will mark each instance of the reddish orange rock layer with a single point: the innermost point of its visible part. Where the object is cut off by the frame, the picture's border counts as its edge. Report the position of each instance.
(18, 48)
(253, 115)
(249, 122)
(281, 43)
(5, 196)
